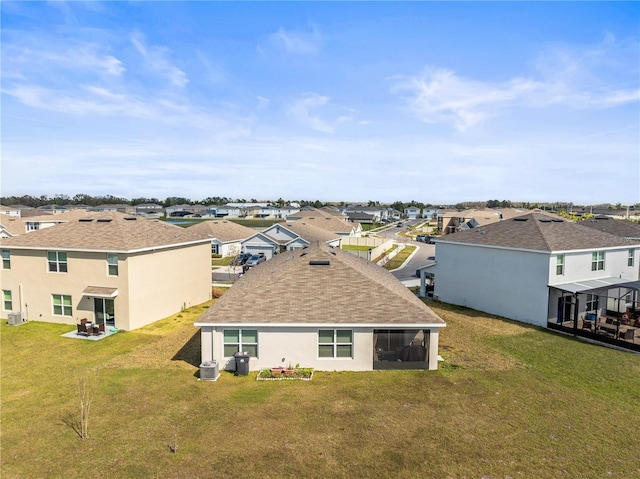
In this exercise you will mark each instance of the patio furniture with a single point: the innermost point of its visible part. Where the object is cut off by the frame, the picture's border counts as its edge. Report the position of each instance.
(82, 329)
(627, 335)
(84, 321)
(99, 328)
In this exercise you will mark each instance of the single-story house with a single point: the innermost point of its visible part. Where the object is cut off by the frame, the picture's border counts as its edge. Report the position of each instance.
(313, 234)
(118, 270)
(539, 269)
(226, 236)
(323, 308)
(412, 212)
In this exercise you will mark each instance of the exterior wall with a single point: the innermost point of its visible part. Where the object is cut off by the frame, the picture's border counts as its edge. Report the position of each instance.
(230, 249)
(163, 282)
(297, 345)
(507, 283)
(32, 285)
(577, 267)
(151, 286)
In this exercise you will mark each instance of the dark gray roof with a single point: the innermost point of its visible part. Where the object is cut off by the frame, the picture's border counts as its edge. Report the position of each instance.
(623, 228)
(319, 285)
(535, 231)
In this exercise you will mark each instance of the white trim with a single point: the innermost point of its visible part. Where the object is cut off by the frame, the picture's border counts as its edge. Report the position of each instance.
(117, 251)
(322, 325)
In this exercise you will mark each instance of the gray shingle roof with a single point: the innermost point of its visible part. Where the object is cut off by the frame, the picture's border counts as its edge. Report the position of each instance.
(223, 230)
(109, 231)
(536, 231)
(310, 232)
(623, 228)
(347, 290)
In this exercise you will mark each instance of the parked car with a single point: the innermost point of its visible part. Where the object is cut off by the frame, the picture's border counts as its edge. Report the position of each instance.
(255, 259)
(241, 259)
(421, 238)
(399, 225)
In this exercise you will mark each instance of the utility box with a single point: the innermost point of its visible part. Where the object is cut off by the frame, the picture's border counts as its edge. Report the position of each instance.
(209, 371)
(15, 319)
(242, 364)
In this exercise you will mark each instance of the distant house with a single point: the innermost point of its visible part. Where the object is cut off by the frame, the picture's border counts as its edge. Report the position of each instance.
(288, 210)
(226, 236)
(323, 308)
(327, 221)
(273, 240)
(314, 234)
(119, 270)
(149, 209)
(184, 210)
(623, 228)
(10, 210)
(228, 211)
(376, 214)
(412, 212)
(540, 270)
(362, 218)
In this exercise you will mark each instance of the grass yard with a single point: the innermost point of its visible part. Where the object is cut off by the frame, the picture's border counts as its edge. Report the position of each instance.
(509, 401)
(399, 259)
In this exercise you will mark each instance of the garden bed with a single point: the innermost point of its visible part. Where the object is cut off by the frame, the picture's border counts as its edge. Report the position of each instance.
(279, 374)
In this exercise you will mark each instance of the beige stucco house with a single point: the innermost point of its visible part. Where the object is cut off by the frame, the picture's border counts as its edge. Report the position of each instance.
(324, 308)
(112, 268)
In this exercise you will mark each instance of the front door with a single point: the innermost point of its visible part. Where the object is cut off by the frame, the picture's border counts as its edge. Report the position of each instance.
(104, 311)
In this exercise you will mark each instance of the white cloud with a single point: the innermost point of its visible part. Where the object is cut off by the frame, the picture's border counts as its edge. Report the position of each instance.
(600, 77)
(298, 43)
(305, 110)
(156, 60)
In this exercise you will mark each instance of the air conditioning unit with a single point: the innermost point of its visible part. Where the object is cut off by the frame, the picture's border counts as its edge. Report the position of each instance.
(15, 319)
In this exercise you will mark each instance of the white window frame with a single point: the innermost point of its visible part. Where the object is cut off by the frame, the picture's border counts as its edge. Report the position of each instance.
(591, 303)
(65, 310)
(560, 265)
(631, 257)
(111, 265)
(6, 259)
(7, 300)
(241, 344)
(335, 344)
(33, 225)
(597, 261)
(61, 266)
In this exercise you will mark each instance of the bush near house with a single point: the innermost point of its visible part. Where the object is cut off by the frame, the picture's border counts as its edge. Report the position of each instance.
(509, 400)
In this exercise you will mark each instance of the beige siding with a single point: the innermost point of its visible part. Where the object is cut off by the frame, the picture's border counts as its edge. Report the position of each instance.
(163, 282)
(151, 286)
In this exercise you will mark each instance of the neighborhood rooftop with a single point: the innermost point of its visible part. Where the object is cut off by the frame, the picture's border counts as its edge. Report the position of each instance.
(109, 231)
(319, 284)
(537, 231)
(222, 230)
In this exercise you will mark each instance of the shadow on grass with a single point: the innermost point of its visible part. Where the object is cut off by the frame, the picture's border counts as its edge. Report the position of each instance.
(190, 351)
(71, 421)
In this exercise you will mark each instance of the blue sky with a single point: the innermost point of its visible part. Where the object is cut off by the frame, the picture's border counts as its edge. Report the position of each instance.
(335, 101)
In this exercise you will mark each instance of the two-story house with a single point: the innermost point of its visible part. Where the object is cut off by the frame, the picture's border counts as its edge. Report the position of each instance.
(538, 269)
(120, 270)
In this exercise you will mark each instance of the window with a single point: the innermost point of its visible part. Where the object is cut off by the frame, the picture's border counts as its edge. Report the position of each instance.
(112, 264)
(33, 226)
(57, 261)
(240, 340)
(61, 304)
(592, 302)
(630, 258)
(6, 259)
(335, 343)
(560, 264)
(597, 261)
(6, 300)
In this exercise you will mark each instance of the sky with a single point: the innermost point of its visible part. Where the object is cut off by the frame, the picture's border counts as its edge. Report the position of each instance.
(435, 102)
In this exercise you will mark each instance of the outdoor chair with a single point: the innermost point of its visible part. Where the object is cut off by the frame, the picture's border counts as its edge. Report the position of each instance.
(628, 335)
(84, 321)
(82, 329)
(100, 328)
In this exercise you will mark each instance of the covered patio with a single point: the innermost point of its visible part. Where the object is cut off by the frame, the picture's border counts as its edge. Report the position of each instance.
(605, 310)
(402, 349)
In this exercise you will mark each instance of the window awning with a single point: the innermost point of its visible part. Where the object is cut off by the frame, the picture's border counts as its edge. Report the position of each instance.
(100, 292)
(594, 285)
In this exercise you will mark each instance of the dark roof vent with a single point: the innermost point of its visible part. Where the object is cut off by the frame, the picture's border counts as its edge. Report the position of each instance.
(520, 219)
(557, 220)
(85, 220)
(545, 220)
(319, 262)
(104, 220)
(130, 219)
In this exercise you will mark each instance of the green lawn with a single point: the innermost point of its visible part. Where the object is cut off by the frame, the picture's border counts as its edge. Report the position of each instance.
(399, 259)
(508, 401)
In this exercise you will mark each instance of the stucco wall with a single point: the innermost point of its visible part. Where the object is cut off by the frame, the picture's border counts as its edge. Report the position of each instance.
(32, 284)
(507, 283)
(276, 344)
(163, 282)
